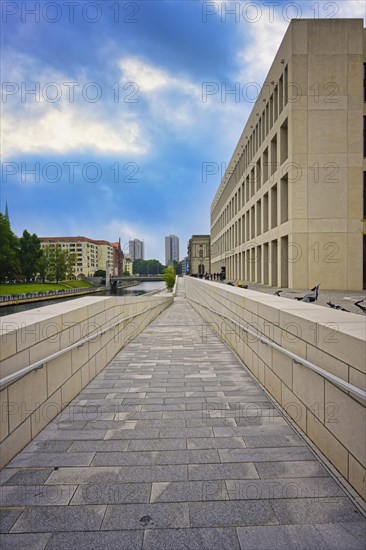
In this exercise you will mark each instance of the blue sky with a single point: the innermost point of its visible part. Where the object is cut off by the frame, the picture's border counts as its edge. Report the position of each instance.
(117, 137)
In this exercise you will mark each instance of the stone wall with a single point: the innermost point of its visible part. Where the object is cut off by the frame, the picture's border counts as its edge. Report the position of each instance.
(28, 404)
(333, 340)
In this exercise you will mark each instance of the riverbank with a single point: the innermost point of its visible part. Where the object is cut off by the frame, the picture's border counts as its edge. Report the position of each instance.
(29, 297)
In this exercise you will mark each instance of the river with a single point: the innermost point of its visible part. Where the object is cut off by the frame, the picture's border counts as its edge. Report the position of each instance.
(136, 290)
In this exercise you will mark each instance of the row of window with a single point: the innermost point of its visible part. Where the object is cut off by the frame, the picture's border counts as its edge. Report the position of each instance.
(258, 176)
(271, 111)
(267, 213)
(261, 264)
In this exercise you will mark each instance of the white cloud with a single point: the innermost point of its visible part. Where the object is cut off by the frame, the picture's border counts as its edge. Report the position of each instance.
(150, 78)
(350, 9)
(171, 99)
(262, 42)
(34, 124)
(67, 129)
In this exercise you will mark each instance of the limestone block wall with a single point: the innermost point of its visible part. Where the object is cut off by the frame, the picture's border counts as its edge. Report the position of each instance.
(333, 340)
(28, 404)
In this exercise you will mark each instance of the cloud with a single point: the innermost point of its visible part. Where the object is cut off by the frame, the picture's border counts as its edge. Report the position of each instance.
(56, 119)
(170, 98)
(68, 129)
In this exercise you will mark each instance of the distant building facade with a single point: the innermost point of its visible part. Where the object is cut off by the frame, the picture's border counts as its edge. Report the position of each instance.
(199, 259)
(90, 255)
(171, 249)
(128, 265)
(118, 257)
(136, 250)
(184, 265)
(289, 209)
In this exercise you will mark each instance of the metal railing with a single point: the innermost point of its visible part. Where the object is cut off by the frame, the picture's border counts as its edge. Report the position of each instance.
(345, 386)
(7, 380)
(45, 293)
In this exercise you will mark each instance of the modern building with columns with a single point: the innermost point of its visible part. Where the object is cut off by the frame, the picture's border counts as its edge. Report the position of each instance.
(290, 208)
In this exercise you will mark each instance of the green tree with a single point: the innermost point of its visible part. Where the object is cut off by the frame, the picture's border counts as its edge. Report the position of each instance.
(147, 267)
(100, 273)
(58, 263)
(70, 261)
(29, 254)
(169, 277)
(177, 267)
(8, 251)
(44, 263)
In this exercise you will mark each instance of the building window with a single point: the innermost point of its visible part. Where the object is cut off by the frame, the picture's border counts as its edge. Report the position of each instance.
(283, 142)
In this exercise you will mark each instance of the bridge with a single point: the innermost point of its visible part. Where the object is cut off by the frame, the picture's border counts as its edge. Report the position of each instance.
(177, 444)
(140, 279)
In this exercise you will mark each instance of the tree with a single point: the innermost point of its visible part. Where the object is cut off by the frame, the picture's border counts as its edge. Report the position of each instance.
(70, 263)
(177, 267)
(29, 254)
(44, 263)
(147, 267)
(58, 263)
(169, 277)
(8, 251)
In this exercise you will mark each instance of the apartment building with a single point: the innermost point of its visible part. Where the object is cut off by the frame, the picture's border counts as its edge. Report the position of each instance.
(90, 255)
(171, 249)
(136, 249)
(290, 207)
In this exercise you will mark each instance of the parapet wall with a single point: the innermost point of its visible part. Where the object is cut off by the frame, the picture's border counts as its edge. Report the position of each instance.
(29, 403)
(333, 340)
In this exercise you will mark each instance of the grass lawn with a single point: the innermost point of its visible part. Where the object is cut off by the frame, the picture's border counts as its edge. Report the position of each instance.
(77, 284)
(21, 288)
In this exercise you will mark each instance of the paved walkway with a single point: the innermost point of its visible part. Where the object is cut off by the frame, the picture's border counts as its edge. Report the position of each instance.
(174, 446)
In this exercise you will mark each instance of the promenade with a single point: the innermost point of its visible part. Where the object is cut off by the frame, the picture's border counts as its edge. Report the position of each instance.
(174, 446)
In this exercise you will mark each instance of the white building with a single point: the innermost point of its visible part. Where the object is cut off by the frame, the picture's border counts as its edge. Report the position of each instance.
(90, 255)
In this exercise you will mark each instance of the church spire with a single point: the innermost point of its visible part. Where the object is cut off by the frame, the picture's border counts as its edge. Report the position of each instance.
(7, 210)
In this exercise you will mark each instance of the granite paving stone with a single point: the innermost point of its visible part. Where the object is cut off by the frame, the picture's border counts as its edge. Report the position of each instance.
(133, 474)
(299, 537)
(143, 516)
(191, 539)
(26, 476)
(36, 495)
(116, 493)
(30, 542)
(231, 514)
(264, 454)
(222, 471)
(174, 445)
(189, 491)
(318, 510)
(8, 517)
(100, 540)
(216, 443)
(51, 459)
(41, 519)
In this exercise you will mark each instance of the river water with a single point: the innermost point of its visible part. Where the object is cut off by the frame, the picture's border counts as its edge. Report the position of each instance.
(136, 290)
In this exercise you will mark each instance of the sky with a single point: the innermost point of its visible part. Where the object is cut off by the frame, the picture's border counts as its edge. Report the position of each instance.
(117, 116)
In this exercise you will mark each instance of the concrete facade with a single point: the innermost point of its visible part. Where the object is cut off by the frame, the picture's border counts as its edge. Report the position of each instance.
(288, 211)
(199, 254)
